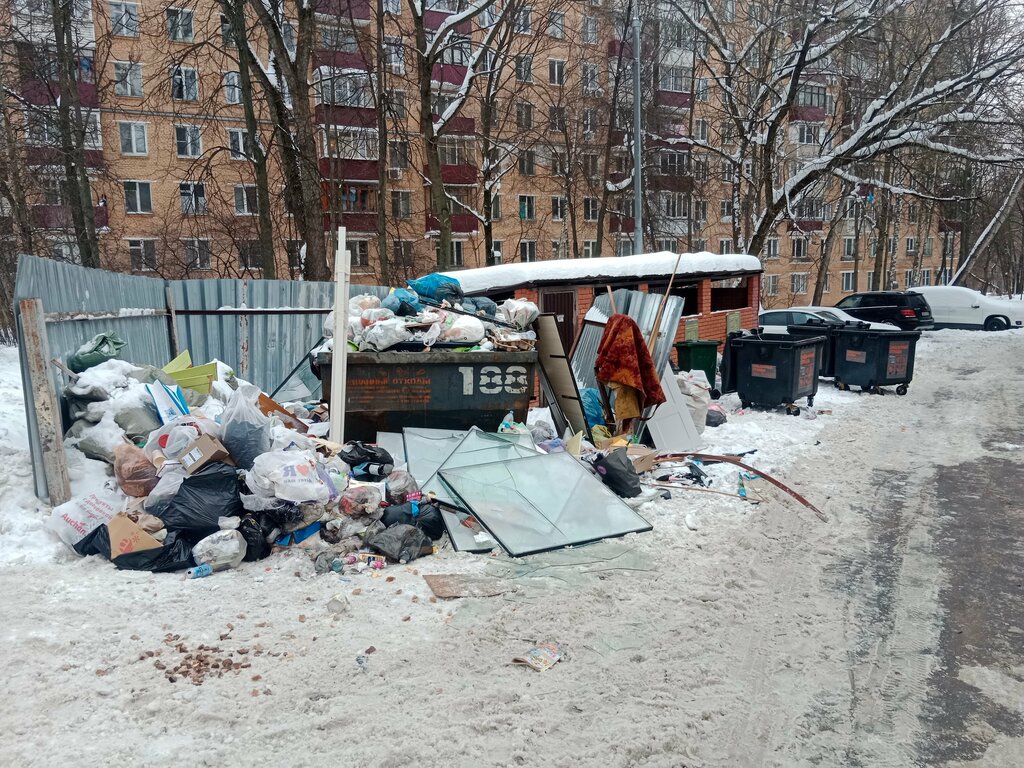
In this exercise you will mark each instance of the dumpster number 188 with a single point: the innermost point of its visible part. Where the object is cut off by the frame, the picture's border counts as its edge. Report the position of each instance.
(493, 380)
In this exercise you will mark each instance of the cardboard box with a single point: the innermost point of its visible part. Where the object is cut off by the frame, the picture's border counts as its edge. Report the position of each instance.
(272, 408)
(642, 457)
(201, 452)
(126, 536)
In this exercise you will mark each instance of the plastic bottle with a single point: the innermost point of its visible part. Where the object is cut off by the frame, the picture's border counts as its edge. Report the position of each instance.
(199, 571)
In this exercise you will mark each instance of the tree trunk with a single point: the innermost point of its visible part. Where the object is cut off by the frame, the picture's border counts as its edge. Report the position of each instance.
(235, 11)
(71, 128)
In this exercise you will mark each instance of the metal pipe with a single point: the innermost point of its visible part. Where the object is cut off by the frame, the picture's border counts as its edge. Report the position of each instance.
(638, 204)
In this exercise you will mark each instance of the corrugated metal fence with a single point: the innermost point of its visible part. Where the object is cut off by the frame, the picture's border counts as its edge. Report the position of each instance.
(261, 328)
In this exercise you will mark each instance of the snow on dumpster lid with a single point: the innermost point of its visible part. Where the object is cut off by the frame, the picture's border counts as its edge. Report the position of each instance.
(505, 276)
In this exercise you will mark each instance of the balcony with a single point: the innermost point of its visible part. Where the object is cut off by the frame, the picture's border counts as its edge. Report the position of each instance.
(808, 114)
(462, 223)
(344, 169)
(45, 92)
(356, 10)
(673, 99)
(453, 74)
(36, 155)
(341, 60)
(353, 221)
(59, 216)
(618, 223)
(459, 126)
(337, 114)
(615, 47)
(432, 21)
(806, 225)
(456, 174)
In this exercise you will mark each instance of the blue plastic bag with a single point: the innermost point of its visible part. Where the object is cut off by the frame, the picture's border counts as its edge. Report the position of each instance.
(593, 408)
(398, 296)
(438, 287)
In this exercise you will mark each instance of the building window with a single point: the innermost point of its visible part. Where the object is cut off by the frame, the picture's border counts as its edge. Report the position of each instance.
(398, 155)
(700, 130)
(245, 200)
(355, 143)
(624, 246)
(346, 89)
(495, 257)
(556, 72)
(396, 103)
(849, 248)
(673, 163)
(666, 244)
(808, 134)
(771, 248)
(137, 197)
(729, 10)
(911, 246)
(52, 190)
(401, 254)
(184, 83)
(232, 88)
(589, 29)
(124, 19)
(928, 246)
(811, 96)
(725, 245)
(401, 204)
(197, 254)
(239, 146)
(589, 162)
(725, 210)
(495, 207)
(908, 278)
(456, 254)
(810, 209)
(727, 172)
(249, 256)
(188, 140)
(871, 281)
(590, 119)
(700, 210)
(926, 277)
(527, 163)
(672, 205)
(557, 208)
(128, 79)
(770, 285)
(799, 249)
(675, 79)
(527, 251)
(143, 255)
(527, 207)
(847, 281)
(66, 252)
(394, 55)
(453, 151)
(798, 283)
(589, 249)
(193, 198)
(524, 68)
(556, 25)
(590, 207)
(556, 118)
(133, 138)
(524, 21)
(701, 90)
(559, 164)
(524, 115)
(227, 32)
(179, 25)
(556, 249)
(359, 250)
(590, 76)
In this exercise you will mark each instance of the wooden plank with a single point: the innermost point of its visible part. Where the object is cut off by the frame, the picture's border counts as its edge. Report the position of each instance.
(44, 401)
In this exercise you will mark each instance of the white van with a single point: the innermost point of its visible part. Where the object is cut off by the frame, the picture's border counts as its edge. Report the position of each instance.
(957, 307)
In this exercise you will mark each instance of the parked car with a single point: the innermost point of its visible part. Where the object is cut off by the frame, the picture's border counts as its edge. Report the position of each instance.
(956, 307)
(777, 320)
(906, 309)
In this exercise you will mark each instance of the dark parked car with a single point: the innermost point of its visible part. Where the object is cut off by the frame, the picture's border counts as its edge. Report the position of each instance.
(906, 309)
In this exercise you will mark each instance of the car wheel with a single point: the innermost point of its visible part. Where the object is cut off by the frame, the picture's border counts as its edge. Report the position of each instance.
(996, 324)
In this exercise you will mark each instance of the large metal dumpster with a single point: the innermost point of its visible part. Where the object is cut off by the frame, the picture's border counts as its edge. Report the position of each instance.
(444, 390)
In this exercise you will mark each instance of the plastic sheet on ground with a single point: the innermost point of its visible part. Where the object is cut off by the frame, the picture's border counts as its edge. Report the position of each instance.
(542, 502)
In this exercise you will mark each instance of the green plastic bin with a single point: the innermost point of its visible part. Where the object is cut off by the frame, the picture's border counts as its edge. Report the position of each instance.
(698, 355)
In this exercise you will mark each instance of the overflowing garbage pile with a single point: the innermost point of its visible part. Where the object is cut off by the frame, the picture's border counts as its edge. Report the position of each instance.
(432, 312)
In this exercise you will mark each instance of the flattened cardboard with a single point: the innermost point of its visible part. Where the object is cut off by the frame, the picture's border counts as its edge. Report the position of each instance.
(201, 452)
(126, 536)
(271, 407)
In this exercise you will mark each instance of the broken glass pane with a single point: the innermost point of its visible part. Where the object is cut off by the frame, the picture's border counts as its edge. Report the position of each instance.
(426, 449)
(392, 443)
(541, 502)
(479, 447)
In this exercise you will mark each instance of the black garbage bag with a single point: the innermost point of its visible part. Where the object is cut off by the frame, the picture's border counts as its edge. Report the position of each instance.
(424, 515)
(617, 472)
(368, 462)
(255, 529)
(401, 542)
(715, 419)
(174, 555)
(210, 493)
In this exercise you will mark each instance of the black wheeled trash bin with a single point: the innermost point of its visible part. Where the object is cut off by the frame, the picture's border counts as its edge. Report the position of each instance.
(870, 359)
(812, 330)
(776, 369)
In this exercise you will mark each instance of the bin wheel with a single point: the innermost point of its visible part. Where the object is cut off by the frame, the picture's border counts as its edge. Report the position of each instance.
(810, 401)
(901, 389)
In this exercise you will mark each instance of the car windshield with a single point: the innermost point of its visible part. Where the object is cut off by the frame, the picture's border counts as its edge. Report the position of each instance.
(917, 300)
(828, 315)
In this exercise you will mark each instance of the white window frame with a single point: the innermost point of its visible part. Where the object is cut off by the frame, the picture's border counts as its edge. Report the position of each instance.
(556, 25)
(556, 71)
(527, 251)
(524, 68)
(143, 243)
(770, 285)
(401, 204)
(121, 12)
(799, 251)
(771, 248)
(846, 277)
(185, 76)
(524, 21)
(591, 208)
(134, 133)
(138, 197)
(245, 210)
(180, 24)
(196, 205)
(798, 283)
(530, 203)
(195, 259)
(232, 82)
(589, 248)
(589, 29)
(128, 79)
(193, 139)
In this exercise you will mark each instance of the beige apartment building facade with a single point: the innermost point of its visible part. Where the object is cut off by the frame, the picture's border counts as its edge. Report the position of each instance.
(175, 189)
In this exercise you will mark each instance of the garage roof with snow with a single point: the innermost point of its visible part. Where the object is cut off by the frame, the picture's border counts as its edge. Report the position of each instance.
(582, 271)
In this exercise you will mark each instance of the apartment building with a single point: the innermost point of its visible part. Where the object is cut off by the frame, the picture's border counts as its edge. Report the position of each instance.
(536, 161)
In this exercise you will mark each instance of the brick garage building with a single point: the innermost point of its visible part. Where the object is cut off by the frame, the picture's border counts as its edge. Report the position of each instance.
(712, 286)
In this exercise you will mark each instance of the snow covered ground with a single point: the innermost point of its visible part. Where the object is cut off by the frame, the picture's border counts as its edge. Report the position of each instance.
(728, 645)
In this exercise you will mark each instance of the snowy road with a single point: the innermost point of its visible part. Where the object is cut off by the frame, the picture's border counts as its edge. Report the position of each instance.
(890, 636)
